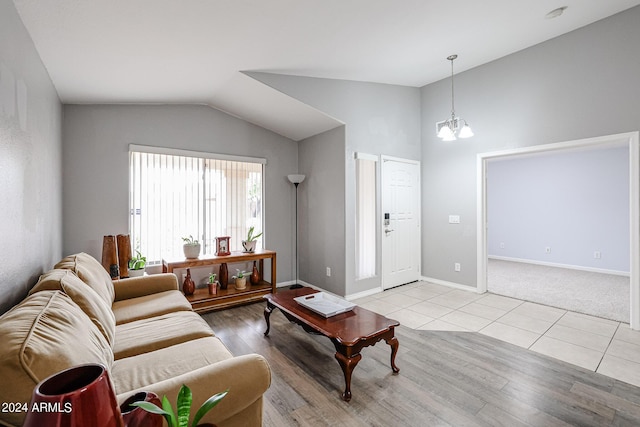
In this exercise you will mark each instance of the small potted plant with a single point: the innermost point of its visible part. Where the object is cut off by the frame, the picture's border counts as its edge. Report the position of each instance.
(241, 279)
(213, 284)
(191, 247)
(137, 264)
(180, 418)
(249, 244)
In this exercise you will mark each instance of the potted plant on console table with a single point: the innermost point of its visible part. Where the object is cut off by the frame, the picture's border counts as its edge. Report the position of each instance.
(137, 264)
(249, 245)
(241, 279)
(191, 247)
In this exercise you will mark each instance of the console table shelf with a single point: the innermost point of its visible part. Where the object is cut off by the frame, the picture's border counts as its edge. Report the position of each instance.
(201, 301)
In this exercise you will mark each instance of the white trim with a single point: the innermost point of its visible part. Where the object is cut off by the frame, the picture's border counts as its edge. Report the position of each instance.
(363, 294)
(555, 264)
(385, 158)
(365, 156)
(450, 284)
(285, 284)
(632, 139)
(634, 228)
(197, 154)
(317, 288)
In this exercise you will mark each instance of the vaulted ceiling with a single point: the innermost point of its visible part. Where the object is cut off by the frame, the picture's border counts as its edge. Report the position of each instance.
(195, 51)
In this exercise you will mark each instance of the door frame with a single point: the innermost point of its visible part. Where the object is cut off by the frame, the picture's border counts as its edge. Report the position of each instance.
(384, 158)
(631, 139)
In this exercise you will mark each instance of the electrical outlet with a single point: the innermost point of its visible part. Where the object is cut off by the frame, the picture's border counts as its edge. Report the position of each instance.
(597, 255)
(547, 250)
(501, 245)
(329, 271)
(456, 266)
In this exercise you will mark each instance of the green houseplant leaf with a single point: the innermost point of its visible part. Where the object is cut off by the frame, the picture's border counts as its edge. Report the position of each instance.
(170, 415)
(184, 401)
(138, 262)
(250, 236)
(167, 412)
(184, 406)
(207, 406)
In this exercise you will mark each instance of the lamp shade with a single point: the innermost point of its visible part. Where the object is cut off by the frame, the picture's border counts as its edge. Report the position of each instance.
(446, 134)
(296, 178)
(465, 132)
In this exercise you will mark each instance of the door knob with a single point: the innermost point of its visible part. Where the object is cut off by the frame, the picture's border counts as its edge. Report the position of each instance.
(387, 231)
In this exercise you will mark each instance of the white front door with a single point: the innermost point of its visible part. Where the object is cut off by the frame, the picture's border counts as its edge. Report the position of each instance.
(401, 231)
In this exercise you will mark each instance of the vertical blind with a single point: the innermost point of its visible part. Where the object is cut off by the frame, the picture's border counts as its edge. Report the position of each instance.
(365, 218)
(174, 196)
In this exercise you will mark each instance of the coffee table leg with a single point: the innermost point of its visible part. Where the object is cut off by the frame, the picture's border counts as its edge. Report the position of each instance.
(267, 313)
(393, 342)
(347, 364)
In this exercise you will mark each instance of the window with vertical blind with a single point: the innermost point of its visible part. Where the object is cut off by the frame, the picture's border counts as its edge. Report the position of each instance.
(176, 193)
(366, 198)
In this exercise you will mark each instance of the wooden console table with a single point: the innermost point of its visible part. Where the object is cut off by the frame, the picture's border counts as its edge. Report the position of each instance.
(202, 301)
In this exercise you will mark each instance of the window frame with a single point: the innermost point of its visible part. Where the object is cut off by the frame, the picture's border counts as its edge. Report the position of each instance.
(205, 156)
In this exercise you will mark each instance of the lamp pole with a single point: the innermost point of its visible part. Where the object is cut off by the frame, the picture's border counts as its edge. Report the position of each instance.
(296, 179)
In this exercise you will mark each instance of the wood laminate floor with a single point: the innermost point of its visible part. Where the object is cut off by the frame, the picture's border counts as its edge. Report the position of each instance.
(445, 379)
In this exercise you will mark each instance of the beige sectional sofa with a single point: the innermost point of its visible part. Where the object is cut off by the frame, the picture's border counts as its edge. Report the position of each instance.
(142, 329)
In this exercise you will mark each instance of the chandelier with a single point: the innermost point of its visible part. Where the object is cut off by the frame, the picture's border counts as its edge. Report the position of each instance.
(447, 129)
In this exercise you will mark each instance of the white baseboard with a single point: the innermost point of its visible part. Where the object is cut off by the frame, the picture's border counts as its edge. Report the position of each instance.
(348, 297)
(285, 284)
(567, 266)
(302, 282)
(450, 284)
(363, 294)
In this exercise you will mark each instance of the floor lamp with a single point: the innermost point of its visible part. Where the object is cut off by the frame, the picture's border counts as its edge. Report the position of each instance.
(295, 180)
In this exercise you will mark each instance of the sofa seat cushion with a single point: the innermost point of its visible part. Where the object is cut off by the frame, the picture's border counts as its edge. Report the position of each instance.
(145, 335)
(91, 272)
(147, 306)
(41, 336)
(144, 369)
(85, 297)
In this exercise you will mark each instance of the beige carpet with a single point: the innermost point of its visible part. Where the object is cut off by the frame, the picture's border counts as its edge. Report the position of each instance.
(596, 294)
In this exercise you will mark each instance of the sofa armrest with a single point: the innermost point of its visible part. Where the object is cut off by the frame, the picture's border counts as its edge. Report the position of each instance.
(247, 377)
(145, 285)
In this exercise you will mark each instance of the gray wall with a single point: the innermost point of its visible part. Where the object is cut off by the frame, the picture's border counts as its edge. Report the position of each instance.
(96, 166)
(582, 84)
(30, 162)
(574, 202)
(379, 119)
(322, 210)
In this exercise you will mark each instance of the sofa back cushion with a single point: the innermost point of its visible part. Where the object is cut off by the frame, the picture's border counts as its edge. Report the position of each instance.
(91, 272)
(84, 296)
(44, 334)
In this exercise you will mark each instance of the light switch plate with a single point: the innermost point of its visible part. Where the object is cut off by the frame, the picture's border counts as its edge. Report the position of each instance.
(454, 219)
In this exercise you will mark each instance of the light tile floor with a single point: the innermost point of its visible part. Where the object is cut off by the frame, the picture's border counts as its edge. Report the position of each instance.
(604, 346)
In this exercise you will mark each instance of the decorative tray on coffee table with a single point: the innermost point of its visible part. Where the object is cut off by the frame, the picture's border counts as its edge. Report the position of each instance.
(325, 304)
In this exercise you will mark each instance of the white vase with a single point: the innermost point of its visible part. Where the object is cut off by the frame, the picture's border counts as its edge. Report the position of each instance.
(191, 251)
(136, 273)
(249, 245)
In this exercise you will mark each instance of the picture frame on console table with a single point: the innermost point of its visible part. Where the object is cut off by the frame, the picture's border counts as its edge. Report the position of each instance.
(222, 246)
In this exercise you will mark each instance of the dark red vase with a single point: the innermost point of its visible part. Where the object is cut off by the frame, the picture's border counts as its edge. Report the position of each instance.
(138, 417)
(223, 274)
(78, 396)
(255, 275)
(188, 287)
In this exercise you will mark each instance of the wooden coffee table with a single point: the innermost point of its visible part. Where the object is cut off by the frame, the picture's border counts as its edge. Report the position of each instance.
(349, 332)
